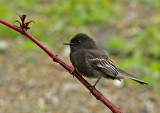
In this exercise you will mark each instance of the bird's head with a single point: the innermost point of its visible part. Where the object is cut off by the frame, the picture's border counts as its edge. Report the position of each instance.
(81, 41)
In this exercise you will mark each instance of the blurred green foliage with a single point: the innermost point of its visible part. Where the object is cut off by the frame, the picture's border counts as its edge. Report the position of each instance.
(60, 15)
(56, 19)
(64, 17)
(41, 105)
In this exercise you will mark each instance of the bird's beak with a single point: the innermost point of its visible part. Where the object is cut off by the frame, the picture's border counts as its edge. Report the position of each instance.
(67, 43)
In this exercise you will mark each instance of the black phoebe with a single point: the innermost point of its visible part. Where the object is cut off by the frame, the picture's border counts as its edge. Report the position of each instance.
(90, 61)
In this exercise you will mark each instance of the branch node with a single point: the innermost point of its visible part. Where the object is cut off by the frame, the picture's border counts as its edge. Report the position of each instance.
(73, 71)
(55, 58)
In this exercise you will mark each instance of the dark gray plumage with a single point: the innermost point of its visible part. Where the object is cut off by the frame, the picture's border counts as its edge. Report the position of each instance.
(90, 61)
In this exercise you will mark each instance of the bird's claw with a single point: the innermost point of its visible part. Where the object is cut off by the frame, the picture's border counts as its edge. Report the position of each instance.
(91, 89)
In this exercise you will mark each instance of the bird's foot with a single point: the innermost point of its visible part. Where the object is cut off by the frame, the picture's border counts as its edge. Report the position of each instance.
(91, 88)
(94, 86)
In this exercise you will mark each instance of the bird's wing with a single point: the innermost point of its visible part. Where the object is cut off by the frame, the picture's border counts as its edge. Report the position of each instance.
(104, 65)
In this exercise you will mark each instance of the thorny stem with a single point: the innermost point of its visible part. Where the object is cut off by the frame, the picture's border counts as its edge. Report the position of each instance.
(98, 95)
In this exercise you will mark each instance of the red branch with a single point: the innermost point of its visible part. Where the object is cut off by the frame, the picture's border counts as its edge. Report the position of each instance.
(68, 67)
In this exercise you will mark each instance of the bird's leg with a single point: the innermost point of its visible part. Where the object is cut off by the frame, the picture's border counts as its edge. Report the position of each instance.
(92, 87)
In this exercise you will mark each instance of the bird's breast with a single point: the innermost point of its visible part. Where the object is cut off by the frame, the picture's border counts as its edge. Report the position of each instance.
(81, 64)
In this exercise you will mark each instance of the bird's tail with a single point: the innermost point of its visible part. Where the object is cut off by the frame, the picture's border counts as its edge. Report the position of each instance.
(125, 74)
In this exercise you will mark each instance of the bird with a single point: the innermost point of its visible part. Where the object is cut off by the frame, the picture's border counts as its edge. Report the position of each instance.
(92, 62)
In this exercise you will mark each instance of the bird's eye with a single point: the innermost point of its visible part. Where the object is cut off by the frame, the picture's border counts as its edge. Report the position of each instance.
(79, 41)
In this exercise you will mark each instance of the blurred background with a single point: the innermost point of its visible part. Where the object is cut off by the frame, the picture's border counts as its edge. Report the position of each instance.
(128, 30)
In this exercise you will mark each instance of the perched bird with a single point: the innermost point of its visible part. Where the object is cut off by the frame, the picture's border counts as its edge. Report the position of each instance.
(90, 61)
